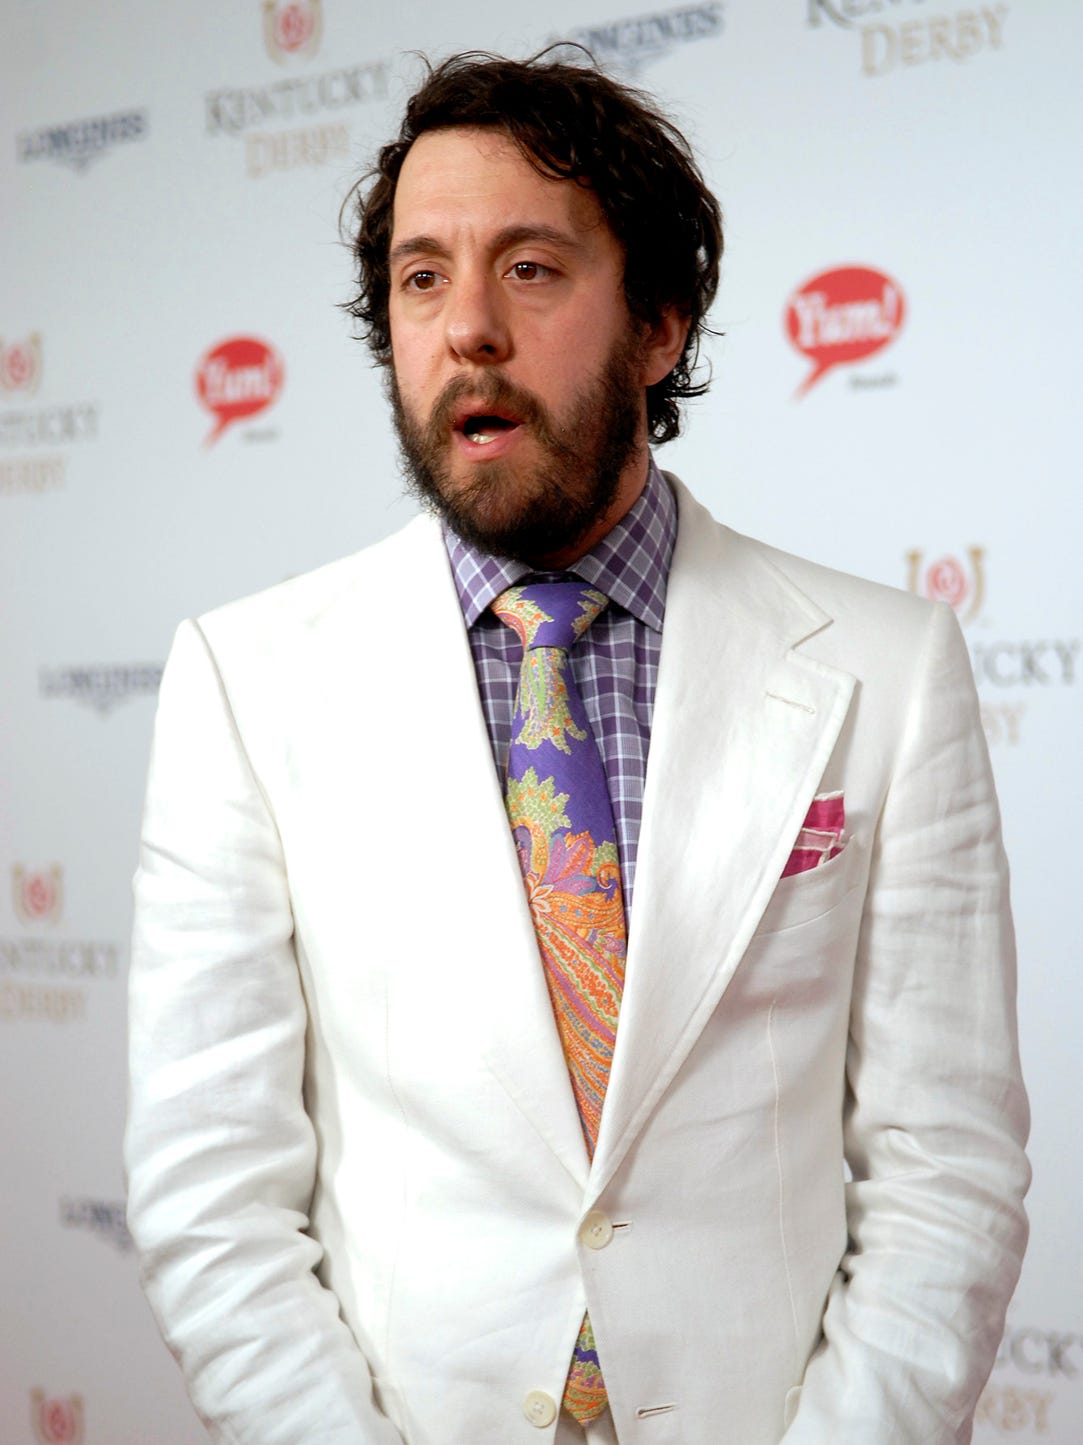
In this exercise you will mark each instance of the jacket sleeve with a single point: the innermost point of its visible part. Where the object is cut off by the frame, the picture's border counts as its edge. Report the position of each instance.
(936, 1115)
(220, 1151)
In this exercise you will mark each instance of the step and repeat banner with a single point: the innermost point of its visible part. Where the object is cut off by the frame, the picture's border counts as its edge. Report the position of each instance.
(185, 417)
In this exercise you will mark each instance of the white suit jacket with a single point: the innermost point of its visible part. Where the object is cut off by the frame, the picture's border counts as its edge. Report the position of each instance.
(357, 1177)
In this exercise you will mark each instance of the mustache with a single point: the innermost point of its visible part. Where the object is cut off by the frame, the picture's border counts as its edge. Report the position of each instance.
(491, 390)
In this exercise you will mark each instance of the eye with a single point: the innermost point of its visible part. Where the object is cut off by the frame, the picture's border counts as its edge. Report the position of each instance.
(421, 280)
(530, 271)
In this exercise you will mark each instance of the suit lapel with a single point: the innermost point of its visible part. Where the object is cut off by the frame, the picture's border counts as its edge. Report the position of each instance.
(743, 729)
(478, 899)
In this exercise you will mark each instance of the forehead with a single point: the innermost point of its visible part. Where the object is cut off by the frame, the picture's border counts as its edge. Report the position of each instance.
(475, 180)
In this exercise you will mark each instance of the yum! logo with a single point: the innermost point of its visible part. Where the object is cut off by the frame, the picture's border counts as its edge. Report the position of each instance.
(293, 28)
(238, 378)
(842, 316)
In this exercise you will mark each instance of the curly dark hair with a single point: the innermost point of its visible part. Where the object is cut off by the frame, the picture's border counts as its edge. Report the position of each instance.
(573, 123)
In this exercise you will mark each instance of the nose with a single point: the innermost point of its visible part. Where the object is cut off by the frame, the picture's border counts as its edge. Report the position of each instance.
(476, 321)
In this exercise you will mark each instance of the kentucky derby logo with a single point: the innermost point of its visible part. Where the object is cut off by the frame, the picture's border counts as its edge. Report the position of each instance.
(20, 364)
(56, 1421)
(238, 378)
(842, 316)
(846, 13)
(904, 40)
(293, 28)
(960, 585)
(37, 896)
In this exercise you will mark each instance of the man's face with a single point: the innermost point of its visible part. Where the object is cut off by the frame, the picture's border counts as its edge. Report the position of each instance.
(519, 375)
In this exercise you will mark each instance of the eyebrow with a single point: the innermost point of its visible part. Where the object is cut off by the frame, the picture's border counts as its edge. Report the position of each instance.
(503, 240)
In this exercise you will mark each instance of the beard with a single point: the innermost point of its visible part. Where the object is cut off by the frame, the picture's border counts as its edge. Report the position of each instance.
(528, 511)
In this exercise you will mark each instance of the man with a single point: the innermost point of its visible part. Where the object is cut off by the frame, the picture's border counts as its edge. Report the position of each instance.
(714, 1131)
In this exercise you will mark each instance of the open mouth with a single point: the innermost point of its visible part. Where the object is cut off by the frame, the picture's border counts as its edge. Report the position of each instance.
(482, 428)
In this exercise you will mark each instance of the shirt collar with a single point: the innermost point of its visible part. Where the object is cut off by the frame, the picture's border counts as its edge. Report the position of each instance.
(630, 564)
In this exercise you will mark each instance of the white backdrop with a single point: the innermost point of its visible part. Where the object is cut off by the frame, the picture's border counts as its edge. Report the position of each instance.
(901, 188)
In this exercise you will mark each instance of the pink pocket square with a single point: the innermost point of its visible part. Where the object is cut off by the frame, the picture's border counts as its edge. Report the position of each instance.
(820, 838)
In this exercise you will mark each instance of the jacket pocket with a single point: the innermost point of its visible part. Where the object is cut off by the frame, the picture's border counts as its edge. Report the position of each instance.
(804, 897)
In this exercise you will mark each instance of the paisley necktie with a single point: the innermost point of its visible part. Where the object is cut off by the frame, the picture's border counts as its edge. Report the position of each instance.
(562, 821)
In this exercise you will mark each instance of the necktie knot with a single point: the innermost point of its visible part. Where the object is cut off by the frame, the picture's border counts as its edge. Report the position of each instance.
(550, 614)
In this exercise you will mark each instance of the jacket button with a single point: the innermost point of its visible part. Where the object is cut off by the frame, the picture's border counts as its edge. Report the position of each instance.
(595, 1231)
(539, 1408)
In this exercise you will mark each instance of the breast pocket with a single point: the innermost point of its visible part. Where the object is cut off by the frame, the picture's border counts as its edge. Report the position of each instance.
(798, 967)
(805, 897)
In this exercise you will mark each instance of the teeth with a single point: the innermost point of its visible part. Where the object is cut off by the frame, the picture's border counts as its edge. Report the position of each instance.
(482, 438)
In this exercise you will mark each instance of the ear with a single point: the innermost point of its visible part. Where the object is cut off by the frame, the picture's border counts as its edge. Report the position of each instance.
(663, 343)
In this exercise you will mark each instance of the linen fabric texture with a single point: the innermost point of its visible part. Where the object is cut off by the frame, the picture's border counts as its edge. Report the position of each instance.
(357, 1173)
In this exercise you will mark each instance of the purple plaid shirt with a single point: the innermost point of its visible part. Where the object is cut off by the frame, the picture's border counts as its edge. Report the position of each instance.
(615, 663)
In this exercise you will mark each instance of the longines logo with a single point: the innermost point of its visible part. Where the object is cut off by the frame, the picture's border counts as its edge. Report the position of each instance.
(893, 36)
(1001, 666)
(641, 40)
(43, 977)
(238, 378)
(103, 1217)
(20, 364)
(56, 1420)
(843, 316)
(292, 29)
(102, 687)
(77, 143)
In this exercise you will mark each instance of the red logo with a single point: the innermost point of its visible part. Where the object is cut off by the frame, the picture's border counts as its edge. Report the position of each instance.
(948, 580)
(238, 378)
(37, 896)
(56, 1421)
(292, 28)
(842, 316)
(20, 364)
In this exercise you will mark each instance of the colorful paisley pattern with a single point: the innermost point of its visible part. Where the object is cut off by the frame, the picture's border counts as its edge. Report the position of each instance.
(573, 888)
(558, 807)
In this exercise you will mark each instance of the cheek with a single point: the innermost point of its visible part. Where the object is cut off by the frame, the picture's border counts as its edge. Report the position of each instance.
(570, 353)
(413, 359)
(409, 337)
